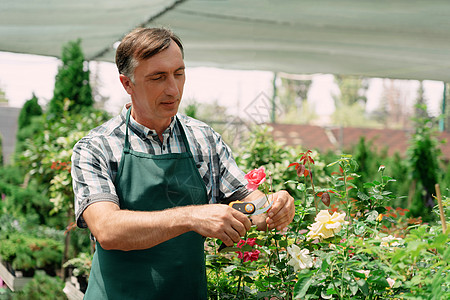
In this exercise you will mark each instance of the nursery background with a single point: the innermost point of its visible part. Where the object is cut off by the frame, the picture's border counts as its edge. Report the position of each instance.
(370, 177)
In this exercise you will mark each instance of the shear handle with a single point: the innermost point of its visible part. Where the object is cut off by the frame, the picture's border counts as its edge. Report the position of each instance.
(244, 207)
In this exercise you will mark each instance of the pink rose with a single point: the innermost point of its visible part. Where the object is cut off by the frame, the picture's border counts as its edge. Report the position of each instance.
(255, 178)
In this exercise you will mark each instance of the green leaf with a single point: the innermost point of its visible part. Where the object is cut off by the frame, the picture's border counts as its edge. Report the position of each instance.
(380, 209)
(302, 286)
(368, 185)
(360, 229)
(440, 240)
(353, 287)
(230, 249)
(283, 243)
(332, 164)
(372, 216)
(229, 268)
(325, 295)
(416, 279)
(363, 287)
(301, 187)
(358, 274)
(362, 196)
(273, 279)
(325, 264)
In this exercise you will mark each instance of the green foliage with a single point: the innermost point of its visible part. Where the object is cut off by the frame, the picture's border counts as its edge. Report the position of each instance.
(3, 96)
(81, 265)
(72, 88)
(30, 109)
(423, 155)
(423, 264)
(260, 149)
(191, 110)
(30, 122)
(27, 253)
(1, 150)
(294, 102)
(34, 128)
(24, 200)
(47, 156)
(42, 287)
(350, 103)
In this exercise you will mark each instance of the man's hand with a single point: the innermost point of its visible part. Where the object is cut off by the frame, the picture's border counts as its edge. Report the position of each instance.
(219, 221)
(279, 215)
(282, 211)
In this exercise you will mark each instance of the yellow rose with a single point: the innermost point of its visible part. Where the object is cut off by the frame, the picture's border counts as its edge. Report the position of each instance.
(326, 225)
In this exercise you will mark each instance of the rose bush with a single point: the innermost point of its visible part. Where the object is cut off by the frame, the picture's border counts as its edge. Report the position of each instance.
(350, 248)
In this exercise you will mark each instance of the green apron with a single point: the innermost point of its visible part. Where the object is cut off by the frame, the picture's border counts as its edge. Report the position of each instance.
(174, 269)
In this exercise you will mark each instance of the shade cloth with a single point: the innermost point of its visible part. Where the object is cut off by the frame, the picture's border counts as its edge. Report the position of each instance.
(406, 39)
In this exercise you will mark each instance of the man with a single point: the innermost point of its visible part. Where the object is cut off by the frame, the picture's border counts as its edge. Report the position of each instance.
(149, 183)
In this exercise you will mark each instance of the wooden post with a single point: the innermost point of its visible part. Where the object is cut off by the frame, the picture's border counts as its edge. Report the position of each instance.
(441, 208)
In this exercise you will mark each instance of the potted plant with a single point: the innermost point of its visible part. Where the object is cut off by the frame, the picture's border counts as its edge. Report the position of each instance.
(80, 268)
(22, 253)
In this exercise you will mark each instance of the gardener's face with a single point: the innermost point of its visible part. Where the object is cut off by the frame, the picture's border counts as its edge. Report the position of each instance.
(158, 87)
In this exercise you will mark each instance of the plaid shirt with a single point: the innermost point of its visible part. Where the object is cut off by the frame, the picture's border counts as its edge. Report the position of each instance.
(96, 158)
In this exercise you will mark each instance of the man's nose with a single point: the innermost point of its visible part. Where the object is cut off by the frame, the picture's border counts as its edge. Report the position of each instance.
(171, 87)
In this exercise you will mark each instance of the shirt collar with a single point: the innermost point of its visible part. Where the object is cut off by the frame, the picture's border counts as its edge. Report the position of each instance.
(142, 130)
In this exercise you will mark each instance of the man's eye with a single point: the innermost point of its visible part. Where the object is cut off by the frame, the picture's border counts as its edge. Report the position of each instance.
(179, 74)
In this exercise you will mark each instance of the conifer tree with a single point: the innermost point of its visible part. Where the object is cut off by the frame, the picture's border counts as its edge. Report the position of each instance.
(72, 88)
(28, 124)
(30, 109)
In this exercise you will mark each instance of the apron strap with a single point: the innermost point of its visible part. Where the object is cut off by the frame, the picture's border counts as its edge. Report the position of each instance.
(183, 135)
(127, 142)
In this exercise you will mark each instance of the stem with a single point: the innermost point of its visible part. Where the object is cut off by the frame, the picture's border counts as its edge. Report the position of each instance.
(281, 271)
(239, 283)
(287, 273)
(312, 186)
(332, 271)
(240, 272)
(217, 274)
(344, 269)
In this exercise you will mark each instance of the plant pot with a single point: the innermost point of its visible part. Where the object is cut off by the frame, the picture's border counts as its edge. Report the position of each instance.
(14, 280)
(72, 291)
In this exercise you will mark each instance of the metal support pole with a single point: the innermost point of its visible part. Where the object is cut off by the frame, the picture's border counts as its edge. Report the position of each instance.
(274, 96)
(442, 120)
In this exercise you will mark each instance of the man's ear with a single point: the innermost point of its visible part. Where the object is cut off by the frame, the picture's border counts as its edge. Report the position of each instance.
(126, 83)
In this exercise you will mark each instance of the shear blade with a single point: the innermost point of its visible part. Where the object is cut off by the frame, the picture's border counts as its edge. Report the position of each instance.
(259, 206)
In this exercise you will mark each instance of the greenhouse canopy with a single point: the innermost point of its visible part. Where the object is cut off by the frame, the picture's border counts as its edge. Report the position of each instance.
(407, 39)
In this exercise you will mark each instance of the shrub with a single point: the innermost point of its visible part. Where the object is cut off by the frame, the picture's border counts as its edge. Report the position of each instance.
(28, 253)
(42, 287)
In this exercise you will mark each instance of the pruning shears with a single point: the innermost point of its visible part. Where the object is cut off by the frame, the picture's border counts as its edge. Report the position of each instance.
(249, 208)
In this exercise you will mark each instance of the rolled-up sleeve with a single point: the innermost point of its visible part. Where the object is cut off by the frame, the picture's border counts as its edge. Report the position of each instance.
(231, 181)
(91, 178)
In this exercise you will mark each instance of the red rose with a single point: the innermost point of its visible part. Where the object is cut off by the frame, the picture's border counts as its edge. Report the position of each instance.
(251, 256)
(251, 242)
